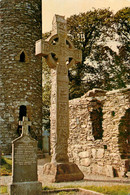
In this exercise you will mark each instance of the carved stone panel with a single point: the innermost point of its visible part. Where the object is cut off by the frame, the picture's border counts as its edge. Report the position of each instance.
(24, 159)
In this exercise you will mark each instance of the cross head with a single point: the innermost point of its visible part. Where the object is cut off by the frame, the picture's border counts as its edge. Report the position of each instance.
(25, 124)
(58, 49)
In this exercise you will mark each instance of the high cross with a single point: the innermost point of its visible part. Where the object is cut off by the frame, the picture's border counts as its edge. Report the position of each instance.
(25, 124)
(60, 54)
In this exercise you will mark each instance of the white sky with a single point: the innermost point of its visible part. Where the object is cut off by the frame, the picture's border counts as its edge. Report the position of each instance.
(69, 7)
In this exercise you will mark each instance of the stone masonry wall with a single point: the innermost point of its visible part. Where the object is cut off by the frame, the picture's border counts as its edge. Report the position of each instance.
(20, 69)
(95, 135)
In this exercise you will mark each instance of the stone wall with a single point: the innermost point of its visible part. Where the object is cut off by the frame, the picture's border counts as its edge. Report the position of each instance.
(99, 135)
(20, 69)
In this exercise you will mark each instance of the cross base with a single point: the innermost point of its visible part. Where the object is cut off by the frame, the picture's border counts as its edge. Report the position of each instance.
(62, 172)
(22, 188)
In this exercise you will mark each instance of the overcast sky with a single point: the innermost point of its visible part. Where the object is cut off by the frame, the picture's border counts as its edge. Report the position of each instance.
(70, 7)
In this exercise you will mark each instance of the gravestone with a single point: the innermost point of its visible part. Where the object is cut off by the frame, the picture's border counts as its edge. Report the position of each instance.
(60, 54)
(24, 164)
(46, 142)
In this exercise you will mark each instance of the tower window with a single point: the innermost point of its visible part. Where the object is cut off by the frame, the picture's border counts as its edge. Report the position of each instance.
(22, 57)
(22, 112)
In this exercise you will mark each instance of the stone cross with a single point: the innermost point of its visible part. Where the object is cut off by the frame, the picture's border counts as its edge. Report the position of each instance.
(25, 124)
(60, 54)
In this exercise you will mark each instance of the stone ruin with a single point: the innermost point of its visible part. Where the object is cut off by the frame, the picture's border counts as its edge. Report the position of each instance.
(99, 139)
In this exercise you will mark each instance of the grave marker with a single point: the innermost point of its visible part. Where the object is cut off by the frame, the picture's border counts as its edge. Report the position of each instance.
(24, 164)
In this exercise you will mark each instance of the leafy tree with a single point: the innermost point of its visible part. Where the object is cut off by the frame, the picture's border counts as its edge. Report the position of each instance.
(87, 30)
(101, 66)
(122, 24)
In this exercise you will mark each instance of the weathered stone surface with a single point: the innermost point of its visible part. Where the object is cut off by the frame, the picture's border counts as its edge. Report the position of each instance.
(84, 154)
(106, 113)
(109, 171)
(20, 81)
(100, 153)
(62, 172)
(86, 162)
(93, 152)
(60, 54)
(24, 155)
(26, 188)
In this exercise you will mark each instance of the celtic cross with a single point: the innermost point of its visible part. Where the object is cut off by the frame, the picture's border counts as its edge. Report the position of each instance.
(60, 54)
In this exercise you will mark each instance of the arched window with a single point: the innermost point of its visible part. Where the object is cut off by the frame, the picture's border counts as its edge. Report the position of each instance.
(124, 135)
(22, 112)
(97, 118)
(22, 57)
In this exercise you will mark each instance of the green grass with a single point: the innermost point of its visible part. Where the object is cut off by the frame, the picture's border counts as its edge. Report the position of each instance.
(109, 190)
(5, 166)
(66, 193)
(3, 189)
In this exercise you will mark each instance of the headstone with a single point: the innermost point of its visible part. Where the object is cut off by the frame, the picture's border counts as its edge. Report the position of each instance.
(46, 142)
(24, 164)
(60, 54)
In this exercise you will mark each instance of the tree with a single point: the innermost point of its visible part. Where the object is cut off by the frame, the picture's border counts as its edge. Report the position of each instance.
(101, 67)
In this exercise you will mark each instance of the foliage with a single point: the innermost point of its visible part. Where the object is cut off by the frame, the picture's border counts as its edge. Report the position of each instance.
(101, 67)
(3, 189)
(122, 22)
(6, 166)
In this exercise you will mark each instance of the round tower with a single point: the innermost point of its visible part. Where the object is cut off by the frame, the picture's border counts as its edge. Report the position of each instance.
(20, 69)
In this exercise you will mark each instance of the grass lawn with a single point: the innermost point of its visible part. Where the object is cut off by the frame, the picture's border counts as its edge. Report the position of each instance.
(111, 190)
(5, 166)
(108, 190)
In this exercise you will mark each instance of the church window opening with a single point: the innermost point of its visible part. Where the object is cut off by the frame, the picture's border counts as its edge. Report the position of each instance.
(97, 118)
